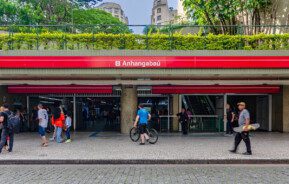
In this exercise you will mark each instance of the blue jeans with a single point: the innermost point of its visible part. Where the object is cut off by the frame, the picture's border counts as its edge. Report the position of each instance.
(41, 131)
(67, 133)
(58, 134)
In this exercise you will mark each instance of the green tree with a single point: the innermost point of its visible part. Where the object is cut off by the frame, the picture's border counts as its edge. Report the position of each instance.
(95, 20)
(221, 13)
(54, 11)
(8, 12)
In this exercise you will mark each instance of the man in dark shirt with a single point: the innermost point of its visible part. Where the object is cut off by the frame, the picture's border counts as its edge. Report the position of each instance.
(230, 116)
(7, 131)
(3, 122)
(183, 119)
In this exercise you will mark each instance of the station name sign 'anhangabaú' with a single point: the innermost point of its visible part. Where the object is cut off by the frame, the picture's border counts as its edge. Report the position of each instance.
(151, 62)
(136, 64)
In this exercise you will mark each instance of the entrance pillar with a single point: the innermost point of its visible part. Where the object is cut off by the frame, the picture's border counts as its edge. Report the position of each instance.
(128, 107)
(176, 110)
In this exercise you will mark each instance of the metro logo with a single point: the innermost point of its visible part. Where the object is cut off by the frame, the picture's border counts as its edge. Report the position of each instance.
(138, 64)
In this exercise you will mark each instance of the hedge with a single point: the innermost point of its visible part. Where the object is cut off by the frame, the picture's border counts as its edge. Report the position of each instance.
(67, 41)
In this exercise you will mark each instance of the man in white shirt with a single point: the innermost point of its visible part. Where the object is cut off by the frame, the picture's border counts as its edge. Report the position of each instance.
(43, 121)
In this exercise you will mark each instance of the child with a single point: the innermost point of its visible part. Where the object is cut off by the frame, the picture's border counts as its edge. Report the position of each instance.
(68, 125)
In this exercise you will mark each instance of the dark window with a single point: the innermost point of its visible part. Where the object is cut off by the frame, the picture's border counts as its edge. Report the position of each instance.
(159, 17)
(159, 10)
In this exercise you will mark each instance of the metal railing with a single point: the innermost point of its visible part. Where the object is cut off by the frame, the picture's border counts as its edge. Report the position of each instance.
(144, 37)
(197, 123)
(148, 29)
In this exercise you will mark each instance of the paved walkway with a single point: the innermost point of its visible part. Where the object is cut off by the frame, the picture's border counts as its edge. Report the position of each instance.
(115, 147)
(143, 174)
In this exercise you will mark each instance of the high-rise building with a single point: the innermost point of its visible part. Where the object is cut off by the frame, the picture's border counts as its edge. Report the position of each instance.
(182, 17)
(114, 9)
(162, 14)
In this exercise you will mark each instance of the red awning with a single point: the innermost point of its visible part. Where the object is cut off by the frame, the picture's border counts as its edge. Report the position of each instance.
(193, 62)
(59, 89)
(216, 89)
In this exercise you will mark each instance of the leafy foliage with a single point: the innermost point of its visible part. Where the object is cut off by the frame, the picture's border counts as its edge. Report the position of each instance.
(57, 12)
(107, 22)
(60, 41)
(221, 13)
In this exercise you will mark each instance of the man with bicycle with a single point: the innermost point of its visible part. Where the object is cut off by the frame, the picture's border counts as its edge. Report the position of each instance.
(143, 116)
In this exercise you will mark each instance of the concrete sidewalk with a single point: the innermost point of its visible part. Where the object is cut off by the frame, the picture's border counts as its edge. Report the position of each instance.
(114, 148)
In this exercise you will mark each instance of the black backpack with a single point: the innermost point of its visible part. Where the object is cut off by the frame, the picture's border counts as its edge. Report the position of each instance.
(13, 120)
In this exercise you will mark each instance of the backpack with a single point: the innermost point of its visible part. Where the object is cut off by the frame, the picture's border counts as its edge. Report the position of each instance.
(13, 121)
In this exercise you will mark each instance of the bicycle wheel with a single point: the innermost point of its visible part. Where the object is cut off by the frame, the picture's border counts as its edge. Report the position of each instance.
(134, 134)
(153, 134)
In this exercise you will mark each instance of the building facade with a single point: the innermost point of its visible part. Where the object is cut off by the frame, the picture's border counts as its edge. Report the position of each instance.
(162, 14)
(114, 9)
(101, 89)
(182, 17)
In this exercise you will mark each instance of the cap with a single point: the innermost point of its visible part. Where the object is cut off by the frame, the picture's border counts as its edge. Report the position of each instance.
(241, 103)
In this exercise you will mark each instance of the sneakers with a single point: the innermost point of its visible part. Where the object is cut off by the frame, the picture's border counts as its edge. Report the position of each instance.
(52, 139)
(233, 151)
(247, 153)
(68, 141)
(141, 143)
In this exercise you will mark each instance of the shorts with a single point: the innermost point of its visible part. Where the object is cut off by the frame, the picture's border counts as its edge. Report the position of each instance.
(142, 128)
(41, 131)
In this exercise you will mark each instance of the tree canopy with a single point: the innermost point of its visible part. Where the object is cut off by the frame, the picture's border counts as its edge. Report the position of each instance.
(105, 21)
(221, 13)
(59, 12)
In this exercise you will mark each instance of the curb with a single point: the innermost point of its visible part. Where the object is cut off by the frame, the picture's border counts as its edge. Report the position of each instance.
(145, 162)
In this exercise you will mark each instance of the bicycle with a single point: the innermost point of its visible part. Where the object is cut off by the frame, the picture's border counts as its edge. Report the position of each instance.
(152, 133)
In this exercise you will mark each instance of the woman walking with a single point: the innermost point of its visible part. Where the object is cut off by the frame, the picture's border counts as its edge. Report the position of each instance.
(57, 120)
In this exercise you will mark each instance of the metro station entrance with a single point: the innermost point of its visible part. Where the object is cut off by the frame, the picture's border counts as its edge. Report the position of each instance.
(159, 109)
(205, 112)
(98, 114)
(93, 114)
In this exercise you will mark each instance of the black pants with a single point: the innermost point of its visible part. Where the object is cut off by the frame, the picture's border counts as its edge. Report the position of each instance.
(184, 127)
(245, 137)
(4, 134)
(229, 127)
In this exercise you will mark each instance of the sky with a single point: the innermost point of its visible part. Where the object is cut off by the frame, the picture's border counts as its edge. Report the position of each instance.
(139, 11)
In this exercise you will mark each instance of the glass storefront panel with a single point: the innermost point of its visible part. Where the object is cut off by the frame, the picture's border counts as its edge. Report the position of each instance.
(48, 103)
(159, 109)
(98, 114)
(205, 112)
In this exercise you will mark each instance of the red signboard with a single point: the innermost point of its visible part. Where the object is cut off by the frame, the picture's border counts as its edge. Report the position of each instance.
(216, 89)
(193, 62)
(59, 89)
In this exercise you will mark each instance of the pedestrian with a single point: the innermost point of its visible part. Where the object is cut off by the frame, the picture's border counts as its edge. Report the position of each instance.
(141, 120)
(244, 120)
(43, 121)
(58, 121)
(1, 124)
(183, 119)
(230, 116)
(8, 119)
(33, 119)
(68, 122)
